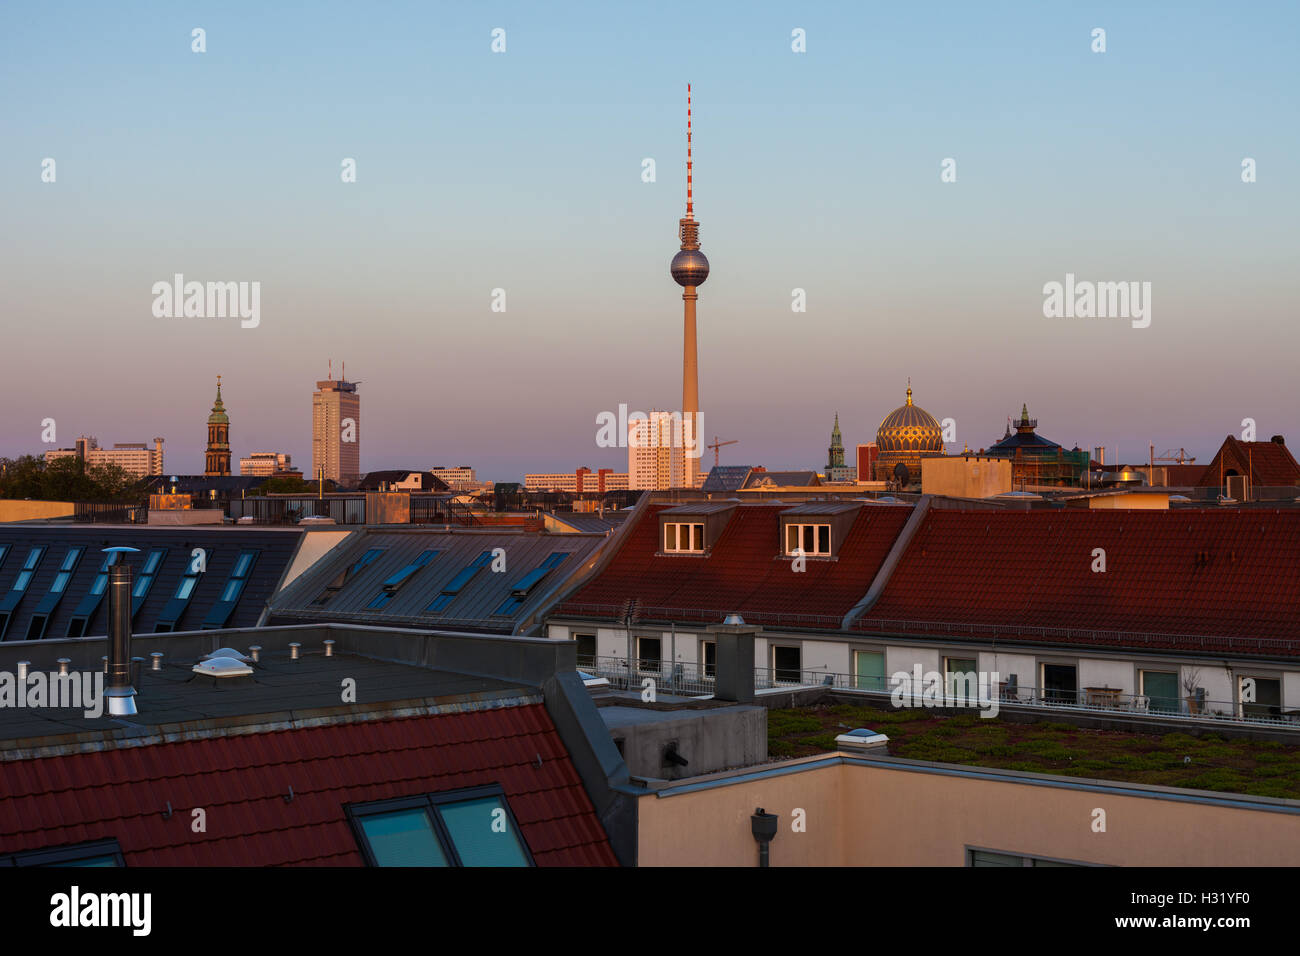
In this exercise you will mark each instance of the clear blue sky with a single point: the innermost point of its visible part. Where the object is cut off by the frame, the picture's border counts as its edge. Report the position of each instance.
(522, 171)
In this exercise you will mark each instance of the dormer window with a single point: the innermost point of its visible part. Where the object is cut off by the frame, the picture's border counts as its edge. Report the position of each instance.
(810, 540)
(693, 528)
(817, 529)
(684, 536)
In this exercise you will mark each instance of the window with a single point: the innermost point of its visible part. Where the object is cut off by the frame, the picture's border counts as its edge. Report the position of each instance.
(786, 663)
(586, 649)
(98, 853)
(455, 585)
(144, 582)
(388, 590)
(649, 654)
(11, 600)
(346, 575)
(1160, 688)
(683, 537)
(961, 680)
(519, 593)
(41, 615)
(85, 611)
(869, 670)
(462, 828)
(225, 604)
(180, 600)
(813, 539)
(989, 858)
(1060, 685)
(709, 658)
(1260, 696)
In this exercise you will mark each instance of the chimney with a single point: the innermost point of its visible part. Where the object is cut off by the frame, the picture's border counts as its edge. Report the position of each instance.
(735, 659)
(120, 693)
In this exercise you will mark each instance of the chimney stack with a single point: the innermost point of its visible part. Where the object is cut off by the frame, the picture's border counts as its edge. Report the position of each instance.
(735, 659)
(120, 693)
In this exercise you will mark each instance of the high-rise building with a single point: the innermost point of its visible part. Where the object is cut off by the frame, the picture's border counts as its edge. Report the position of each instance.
(265, 463)
(135, 458)
(655, 458)
(867, 455)
(689, 270)
(336, 431)
(217, 459)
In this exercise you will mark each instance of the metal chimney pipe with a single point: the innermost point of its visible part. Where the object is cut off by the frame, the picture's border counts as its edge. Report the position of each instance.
(155, 661)
(294, 647)
(120, 693)
(22, 670)
(329, 648)
(255, 652)
(63, 663)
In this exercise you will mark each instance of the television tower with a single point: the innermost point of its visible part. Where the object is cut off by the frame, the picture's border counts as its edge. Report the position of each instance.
(689, 269)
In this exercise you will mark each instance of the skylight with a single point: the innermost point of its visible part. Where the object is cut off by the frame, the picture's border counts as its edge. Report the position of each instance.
(519, 593)
(454, 586)
(390, 587)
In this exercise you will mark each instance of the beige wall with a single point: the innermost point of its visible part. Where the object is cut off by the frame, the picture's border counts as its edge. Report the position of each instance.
(966, 477)
(1149, 501)
(883, 815)
(12, 509)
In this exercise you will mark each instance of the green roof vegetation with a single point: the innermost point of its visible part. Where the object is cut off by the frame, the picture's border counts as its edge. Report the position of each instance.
(1208, 762)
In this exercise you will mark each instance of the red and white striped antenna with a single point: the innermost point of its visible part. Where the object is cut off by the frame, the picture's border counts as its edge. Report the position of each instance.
(690, 196)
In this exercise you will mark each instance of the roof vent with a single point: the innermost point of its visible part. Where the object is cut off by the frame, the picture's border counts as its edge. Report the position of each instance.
(861, 740)
(22, 670)
(155, 661)
(294, 648)
(329, 648)
(734, 620)
(228, 652)
(222, 667)
(256, 651)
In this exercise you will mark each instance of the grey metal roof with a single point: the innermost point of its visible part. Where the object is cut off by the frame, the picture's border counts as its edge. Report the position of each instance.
(822, 508)
(782, 479)
(700, 508)
(726, 477)
(589, 522)
(222, 546)
(472, 608)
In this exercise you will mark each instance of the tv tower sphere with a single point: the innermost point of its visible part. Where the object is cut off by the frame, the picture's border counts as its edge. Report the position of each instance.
(690, 268)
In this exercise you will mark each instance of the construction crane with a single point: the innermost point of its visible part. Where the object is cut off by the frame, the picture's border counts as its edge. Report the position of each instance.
(1170, 458)
(717, 445)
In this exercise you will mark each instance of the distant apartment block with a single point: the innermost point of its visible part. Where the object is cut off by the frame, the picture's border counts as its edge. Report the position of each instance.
(655, 459)
(582, 481)
(135, 458)
(460, 478)
(336, 432)
(265, 463)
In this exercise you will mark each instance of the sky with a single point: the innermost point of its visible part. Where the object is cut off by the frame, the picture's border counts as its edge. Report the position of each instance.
(522, 171)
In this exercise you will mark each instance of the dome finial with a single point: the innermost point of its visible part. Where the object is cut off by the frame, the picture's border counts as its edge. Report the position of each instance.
(909, 390)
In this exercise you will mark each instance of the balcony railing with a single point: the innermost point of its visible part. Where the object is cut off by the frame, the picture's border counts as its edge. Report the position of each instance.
(694, 680)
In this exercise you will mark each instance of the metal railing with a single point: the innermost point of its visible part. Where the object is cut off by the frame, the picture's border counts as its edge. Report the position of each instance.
(944, 629)
(111, 512)
(693, 680)
(1100, 700)
(683, 678)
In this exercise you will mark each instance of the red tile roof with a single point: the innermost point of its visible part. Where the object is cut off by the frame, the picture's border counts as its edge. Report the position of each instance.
(743, 573)
(1268, 463)
(242, 781)
(1202, 572)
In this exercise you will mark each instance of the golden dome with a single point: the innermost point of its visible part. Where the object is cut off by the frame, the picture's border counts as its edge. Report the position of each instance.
(909, 429)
